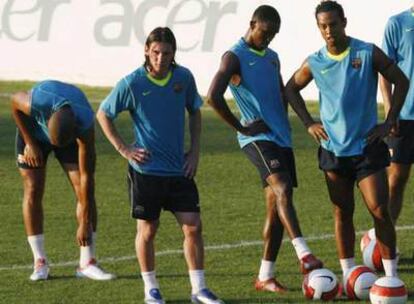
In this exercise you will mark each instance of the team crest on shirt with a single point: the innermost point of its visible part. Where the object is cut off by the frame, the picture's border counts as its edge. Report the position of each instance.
(178, 87)
(274, 163)
(356, 63)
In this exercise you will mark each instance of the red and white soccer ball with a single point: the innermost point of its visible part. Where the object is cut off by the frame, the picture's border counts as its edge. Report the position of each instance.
(388, 290)
(320, 284)
(358, 281)
(370, 251)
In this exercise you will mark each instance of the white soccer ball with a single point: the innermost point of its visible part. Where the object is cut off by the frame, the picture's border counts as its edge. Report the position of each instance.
(388, 290)
(358, 281)
(320, 284)
(371, 256)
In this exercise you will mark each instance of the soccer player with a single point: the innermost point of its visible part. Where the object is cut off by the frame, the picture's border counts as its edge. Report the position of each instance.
(160, 174)
(56, 116)
(252, 70)
(398, 44)
(352, 148)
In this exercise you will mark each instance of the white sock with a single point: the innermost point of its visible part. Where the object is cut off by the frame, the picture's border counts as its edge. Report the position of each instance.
(346, 264)
(197, 280)
(37, 244)
(87, 253)
(150, 281)
(301, 247)
(266, 271)
(390, 267)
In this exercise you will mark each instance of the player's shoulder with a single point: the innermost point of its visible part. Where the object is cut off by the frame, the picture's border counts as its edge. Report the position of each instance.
(182, 72)
(361, 45)
(134, 77)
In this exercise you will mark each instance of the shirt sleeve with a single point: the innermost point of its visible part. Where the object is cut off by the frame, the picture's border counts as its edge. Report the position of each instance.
(120, 99)
(390, 40)
(194, 101)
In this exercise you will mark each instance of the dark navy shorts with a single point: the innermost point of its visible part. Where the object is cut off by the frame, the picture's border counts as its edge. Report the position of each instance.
(270, 158)
(374, 158)
(402, 146)
(65, 155)
(149, 194)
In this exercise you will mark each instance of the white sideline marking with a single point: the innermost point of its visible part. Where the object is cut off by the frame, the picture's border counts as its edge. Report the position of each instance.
(179, 251)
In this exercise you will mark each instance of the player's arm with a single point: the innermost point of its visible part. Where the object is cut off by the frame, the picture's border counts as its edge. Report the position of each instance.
(87, 162)
(392, 73)
(386, 92)
(138, 155)
(20, 105)
(192, 156)
(300, 79)
(229, 67)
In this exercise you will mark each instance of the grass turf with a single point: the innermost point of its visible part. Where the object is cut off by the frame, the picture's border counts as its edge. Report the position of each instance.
(232, 213)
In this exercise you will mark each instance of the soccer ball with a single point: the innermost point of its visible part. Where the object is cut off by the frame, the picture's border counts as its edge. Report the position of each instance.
(366, 238)
(388, 290)
(372, 257)
(320, 284)
(358, 281)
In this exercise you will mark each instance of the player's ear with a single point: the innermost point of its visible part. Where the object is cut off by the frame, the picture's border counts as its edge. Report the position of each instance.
(345, 22)
(146, 50)
(252, 24)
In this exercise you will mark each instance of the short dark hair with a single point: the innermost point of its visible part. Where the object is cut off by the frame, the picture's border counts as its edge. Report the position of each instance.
(266, 13)
(329, 6)
(161, 34)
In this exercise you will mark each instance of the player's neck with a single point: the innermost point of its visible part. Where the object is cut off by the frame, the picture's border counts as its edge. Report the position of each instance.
(339, 47)
(161, 74)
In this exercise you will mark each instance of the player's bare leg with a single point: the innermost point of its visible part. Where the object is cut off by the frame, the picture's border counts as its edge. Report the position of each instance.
(272, 239)
(341, 194)
(34, 185)
(398, 175)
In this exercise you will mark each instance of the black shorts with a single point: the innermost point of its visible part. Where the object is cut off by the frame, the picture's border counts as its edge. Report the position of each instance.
(149, 194)
(270, 158)
(65, 155)
(402, 146)
(374, 158)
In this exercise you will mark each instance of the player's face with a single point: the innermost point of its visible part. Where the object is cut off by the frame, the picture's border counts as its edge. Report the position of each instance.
(332, 27)
(161, 55)
(262, 33)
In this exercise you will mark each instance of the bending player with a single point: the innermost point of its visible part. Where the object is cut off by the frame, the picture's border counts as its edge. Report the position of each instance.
(56, 116)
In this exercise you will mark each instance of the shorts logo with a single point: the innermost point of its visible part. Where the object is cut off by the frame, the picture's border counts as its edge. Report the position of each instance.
(178, 87)
(274, 163)
(356, 63)
(139, 209)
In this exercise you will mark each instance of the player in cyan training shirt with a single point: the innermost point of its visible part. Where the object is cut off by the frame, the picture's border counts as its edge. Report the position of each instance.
(398, 44)
(161, 174)
(252, 70)
(352, 148)
(56, 116)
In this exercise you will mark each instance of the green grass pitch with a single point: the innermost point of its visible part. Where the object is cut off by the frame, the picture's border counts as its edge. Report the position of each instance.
(232, 212)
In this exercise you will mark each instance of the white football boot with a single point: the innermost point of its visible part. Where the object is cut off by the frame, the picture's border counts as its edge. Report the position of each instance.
(94, 272)
(41, 270)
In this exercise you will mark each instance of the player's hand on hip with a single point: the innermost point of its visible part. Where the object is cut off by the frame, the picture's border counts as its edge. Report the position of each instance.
(317, 131)
(379, 132)
(83, 234)
(33, 156)
(191, 164)
(136, 154)
(255, 127)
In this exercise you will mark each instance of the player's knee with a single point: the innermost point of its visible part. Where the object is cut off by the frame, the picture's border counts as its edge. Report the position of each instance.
(147, 232)
(381, 213)
(192, 231)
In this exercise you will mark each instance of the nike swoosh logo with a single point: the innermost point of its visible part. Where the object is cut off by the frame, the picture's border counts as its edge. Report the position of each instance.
(409, 29)
(328, 277)
(252, 63)
(323, 72)
(146, 93)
